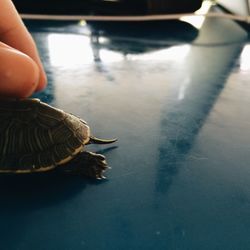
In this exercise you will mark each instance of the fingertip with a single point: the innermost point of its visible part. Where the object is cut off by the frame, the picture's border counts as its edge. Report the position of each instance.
(19, 75)
(27, 83)
(42, 83)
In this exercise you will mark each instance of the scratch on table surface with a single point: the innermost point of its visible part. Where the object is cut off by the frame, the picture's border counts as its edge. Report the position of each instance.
(127, 174)
(197, 157)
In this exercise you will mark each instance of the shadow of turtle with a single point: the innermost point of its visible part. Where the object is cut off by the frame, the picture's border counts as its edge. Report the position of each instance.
(23, 195)
(38, 189)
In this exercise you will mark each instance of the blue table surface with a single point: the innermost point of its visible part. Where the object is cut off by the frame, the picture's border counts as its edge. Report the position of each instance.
(177, 98)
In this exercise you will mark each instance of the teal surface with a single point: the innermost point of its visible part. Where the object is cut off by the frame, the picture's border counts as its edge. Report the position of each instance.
(177, 98)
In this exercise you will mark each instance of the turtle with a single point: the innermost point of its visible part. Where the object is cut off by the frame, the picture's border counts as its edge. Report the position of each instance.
(36, 137)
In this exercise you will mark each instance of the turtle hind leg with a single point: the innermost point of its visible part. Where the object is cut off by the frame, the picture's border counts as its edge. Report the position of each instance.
(88, 164)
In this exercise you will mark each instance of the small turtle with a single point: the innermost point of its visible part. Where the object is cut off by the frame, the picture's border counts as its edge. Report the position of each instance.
(36, 137)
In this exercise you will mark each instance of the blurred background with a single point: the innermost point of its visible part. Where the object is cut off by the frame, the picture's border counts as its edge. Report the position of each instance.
(106, 7)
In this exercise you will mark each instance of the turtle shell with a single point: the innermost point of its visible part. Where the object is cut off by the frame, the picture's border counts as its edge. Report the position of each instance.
(37, 137)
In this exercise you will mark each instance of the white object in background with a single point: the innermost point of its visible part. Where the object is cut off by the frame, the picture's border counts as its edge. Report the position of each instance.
(239, 7)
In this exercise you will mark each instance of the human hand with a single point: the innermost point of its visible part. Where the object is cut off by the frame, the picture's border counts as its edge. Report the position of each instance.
(21, 70)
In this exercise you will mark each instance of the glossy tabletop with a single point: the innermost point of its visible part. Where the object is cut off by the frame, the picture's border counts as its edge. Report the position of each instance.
(177, 98)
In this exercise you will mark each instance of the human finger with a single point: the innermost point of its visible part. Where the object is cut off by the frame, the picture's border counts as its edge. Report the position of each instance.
(14, 33)
(19, 74)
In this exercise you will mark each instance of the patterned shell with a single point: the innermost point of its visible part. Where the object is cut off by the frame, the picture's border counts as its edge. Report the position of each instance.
(38, 137)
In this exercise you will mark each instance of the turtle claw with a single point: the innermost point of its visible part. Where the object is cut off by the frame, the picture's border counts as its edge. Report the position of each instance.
(89, 164)
(95, 165)
(101, 177)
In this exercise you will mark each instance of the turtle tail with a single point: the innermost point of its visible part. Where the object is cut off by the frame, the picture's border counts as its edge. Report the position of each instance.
(95, 140)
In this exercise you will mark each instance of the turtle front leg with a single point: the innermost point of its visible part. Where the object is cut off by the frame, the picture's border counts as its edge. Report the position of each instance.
(89, 164)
